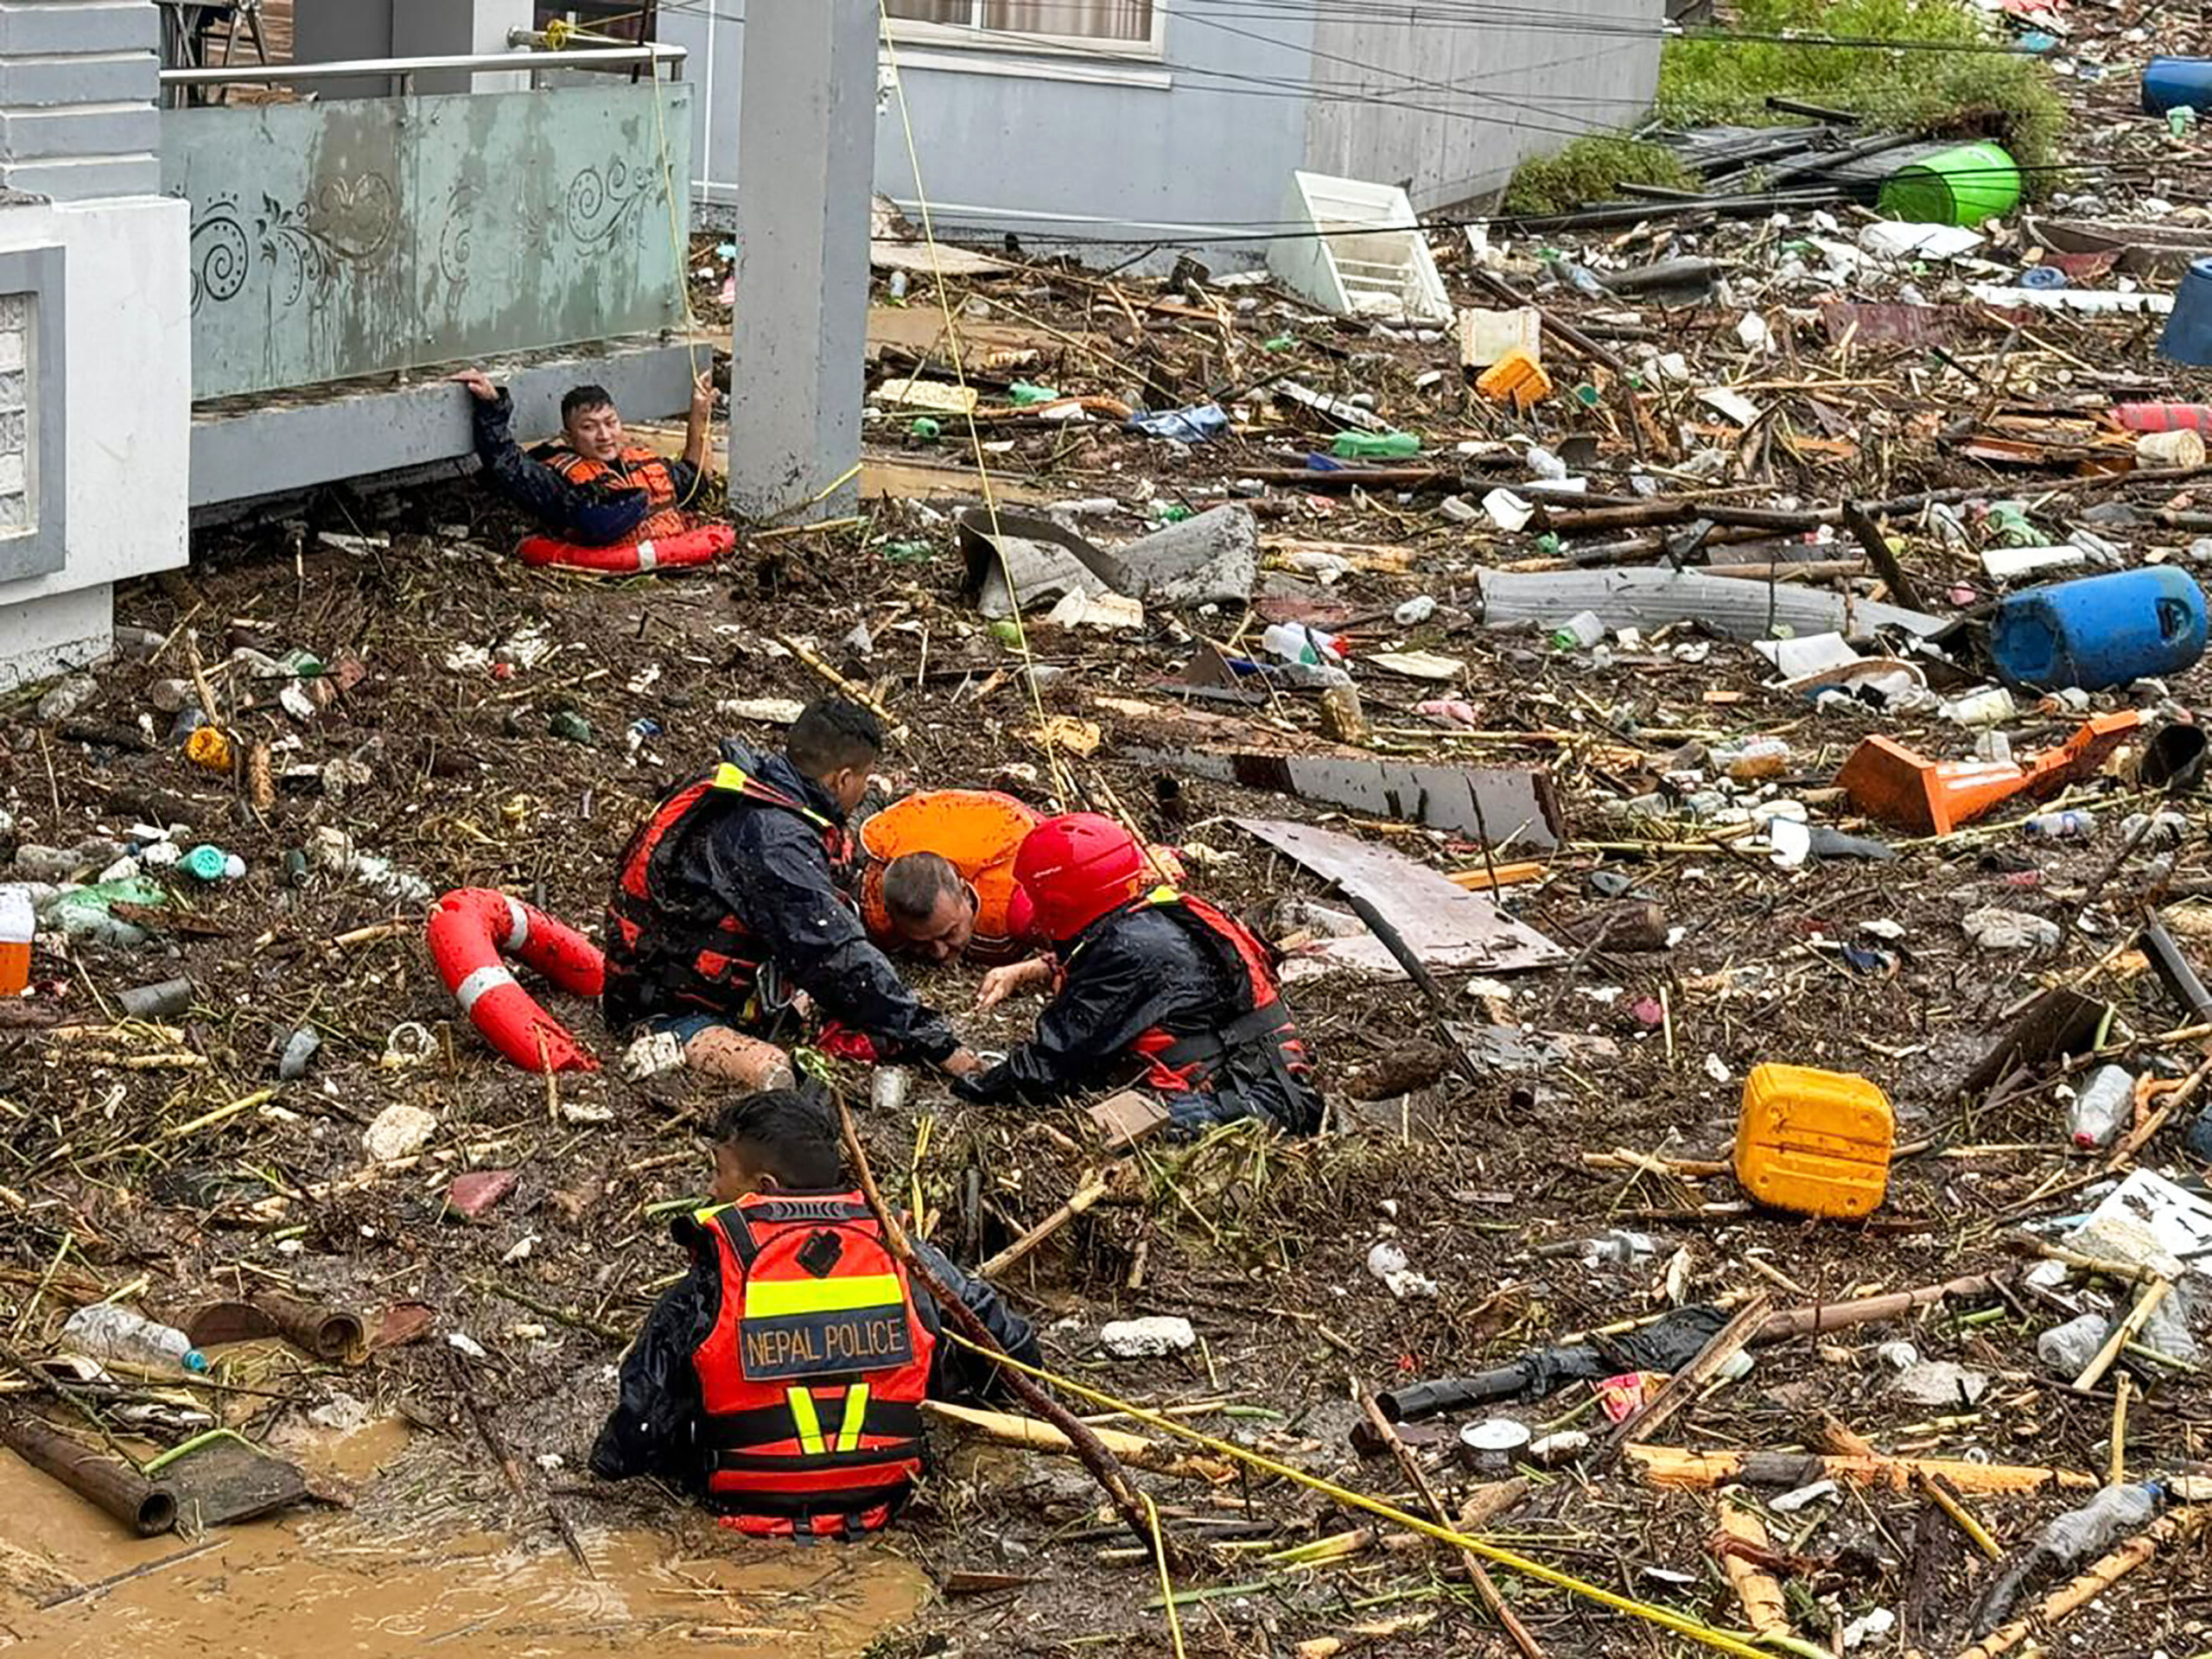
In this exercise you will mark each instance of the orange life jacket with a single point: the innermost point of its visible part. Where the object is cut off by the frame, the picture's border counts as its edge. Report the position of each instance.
(1262, 1037)
(697, 953)
(978, 832)
(640, 469)
(812, 1378)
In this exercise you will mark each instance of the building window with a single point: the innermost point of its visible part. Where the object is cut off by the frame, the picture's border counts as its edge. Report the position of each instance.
(32, 409)
(1123, 27)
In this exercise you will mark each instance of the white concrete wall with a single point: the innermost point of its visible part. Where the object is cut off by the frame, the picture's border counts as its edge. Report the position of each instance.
(127, 446)
(1447, 103)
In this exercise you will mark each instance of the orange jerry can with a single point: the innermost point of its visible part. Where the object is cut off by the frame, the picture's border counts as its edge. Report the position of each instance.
(1817, 1142)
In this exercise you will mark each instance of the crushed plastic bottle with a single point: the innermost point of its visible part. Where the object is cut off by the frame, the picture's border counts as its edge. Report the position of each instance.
(1763, 757)
(2152, 832)
(1375, 446)
(2113, 1514)
(1415, 611)
(210, 863)
(1579, 631)
(1544, 464)
(1296, 642)
(2105, 1101)
(335, 851)
(107, 1332)
(2073, 823)
(2067, 1348)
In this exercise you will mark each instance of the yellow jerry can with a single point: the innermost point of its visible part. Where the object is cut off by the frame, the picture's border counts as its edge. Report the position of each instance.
(1817, 1142)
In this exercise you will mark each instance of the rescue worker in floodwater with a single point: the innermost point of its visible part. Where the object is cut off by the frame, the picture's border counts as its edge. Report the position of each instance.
(1145, 978)
(592, 486)
(732, 899)
(781, 1380)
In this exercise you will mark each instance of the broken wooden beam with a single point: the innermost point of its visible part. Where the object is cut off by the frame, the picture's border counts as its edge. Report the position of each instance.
(1027, 1433)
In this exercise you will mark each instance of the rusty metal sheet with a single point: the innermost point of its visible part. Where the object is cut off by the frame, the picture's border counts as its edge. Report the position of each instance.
(1442, 922)
(1885, 324)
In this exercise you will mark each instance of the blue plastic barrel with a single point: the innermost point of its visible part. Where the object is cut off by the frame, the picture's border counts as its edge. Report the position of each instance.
(2169, 83)
(2187, 336)
(2101, 631)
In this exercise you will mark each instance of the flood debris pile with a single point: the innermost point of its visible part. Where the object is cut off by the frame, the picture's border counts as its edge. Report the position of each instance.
(1710, 718)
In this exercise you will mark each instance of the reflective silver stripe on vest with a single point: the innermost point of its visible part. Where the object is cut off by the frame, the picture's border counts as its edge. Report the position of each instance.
(646, 557)
(489, 977)
(517, 924)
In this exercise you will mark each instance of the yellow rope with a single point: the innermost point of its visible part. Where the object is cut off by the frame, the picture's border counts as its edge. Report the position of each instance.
(1167, 1584)
(1063, 778)
(1681, 1624)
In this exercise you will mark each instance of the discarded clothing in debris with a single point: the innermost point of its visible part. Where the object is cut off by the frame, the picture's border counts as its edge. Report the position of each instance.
(663, 1425)
(1668, 1344)
(731, 891)
(1170, 985)
(1192, 425)
(635, 497)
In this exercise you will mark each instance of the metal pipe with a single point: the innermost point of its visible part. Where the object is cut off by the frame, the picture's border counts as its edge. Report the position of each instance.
(145, 1506)
(487, 62)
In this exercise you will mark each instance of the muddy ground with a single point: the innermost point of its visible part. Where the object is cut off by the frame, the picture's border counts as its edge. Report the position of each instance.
(175, 1165)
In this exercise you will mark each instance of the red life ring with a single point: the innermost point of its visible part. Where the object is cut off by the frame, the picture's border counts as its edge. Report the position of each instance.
(692, 547)
(469, 932)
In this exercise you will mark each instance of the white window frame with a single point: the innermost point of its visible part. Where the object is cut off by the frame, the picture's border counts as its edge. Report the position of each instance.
(908, 31)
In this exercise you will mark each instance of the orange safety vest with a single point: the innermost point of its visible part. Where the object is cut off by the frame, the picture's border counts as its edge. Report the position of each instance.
(640, 469)
(979, 831)
(698, 954)
(1262, 1035)
(812, 1378)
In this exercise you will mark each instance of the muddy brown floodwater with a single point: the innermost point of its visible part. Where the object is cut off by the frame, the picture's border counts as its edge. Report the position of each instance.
(318, 1585)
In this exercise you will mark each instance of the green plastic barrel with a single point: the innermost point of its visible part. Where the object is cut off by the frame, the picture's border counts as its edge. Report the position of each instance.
(1958, 186)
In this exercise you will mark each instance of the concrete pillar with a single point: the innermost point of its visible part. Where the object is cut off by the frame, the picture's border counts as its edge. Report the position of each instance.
(805, 167)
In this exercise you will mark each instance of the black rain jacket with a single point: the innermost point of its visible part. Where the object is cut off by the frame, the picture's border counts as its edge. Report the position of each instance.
(767, 866)
(1128, 971)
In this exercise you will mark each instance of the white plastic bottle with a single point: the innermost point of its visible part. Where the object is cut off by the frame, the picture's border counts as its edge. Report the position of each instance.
(107, 1332)
(2105, 1101)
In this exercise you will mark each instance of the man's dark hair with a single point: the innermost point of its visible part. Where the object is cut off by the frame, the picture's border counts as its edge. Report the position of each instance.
(832, 734)
(786, 1134)
(580, 398)
(913, 882)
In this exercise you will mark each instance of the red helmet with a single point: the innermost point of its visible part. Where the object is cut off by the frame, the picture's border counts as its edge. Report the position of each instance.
(1075, 869)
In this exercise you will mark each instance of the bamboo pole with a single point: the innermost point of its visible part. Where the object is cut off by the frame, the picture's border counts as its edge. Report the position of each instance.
(1087, 1194)
(1759, 1590)
(1009, 1429)
(1668, 1466)
(2146, 1303)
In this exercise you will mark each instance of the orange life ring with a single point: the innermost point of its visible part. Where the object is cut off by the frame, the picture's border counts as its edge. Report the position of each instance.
(692, 547)
(471, 929)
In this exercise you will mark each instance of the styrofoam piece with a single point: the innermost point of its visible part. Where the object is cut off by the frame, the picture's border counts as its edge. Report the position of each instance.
(1371, 258)
(2089, 301)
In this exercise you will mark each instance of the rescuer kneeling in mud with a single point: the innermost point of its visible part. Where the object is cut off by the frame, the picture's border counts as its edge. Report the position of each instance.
(732, 899)
(1148, 979)
(782, 1379)
(591, 486)
(939, 883)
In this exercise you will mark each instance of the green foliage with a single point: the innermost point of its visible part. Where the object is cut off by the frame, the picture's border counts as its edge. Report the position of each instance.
(1970, 94)
(1592, 170)
(1919, 89)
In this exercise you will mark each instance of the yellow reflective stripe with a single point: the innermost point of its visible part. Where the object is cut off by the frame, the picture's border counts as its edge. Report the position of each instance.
(769, 1299)
(730, 776)
(1162, 895)
(703, 1217)
(849, 1432)
(808, 1422)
